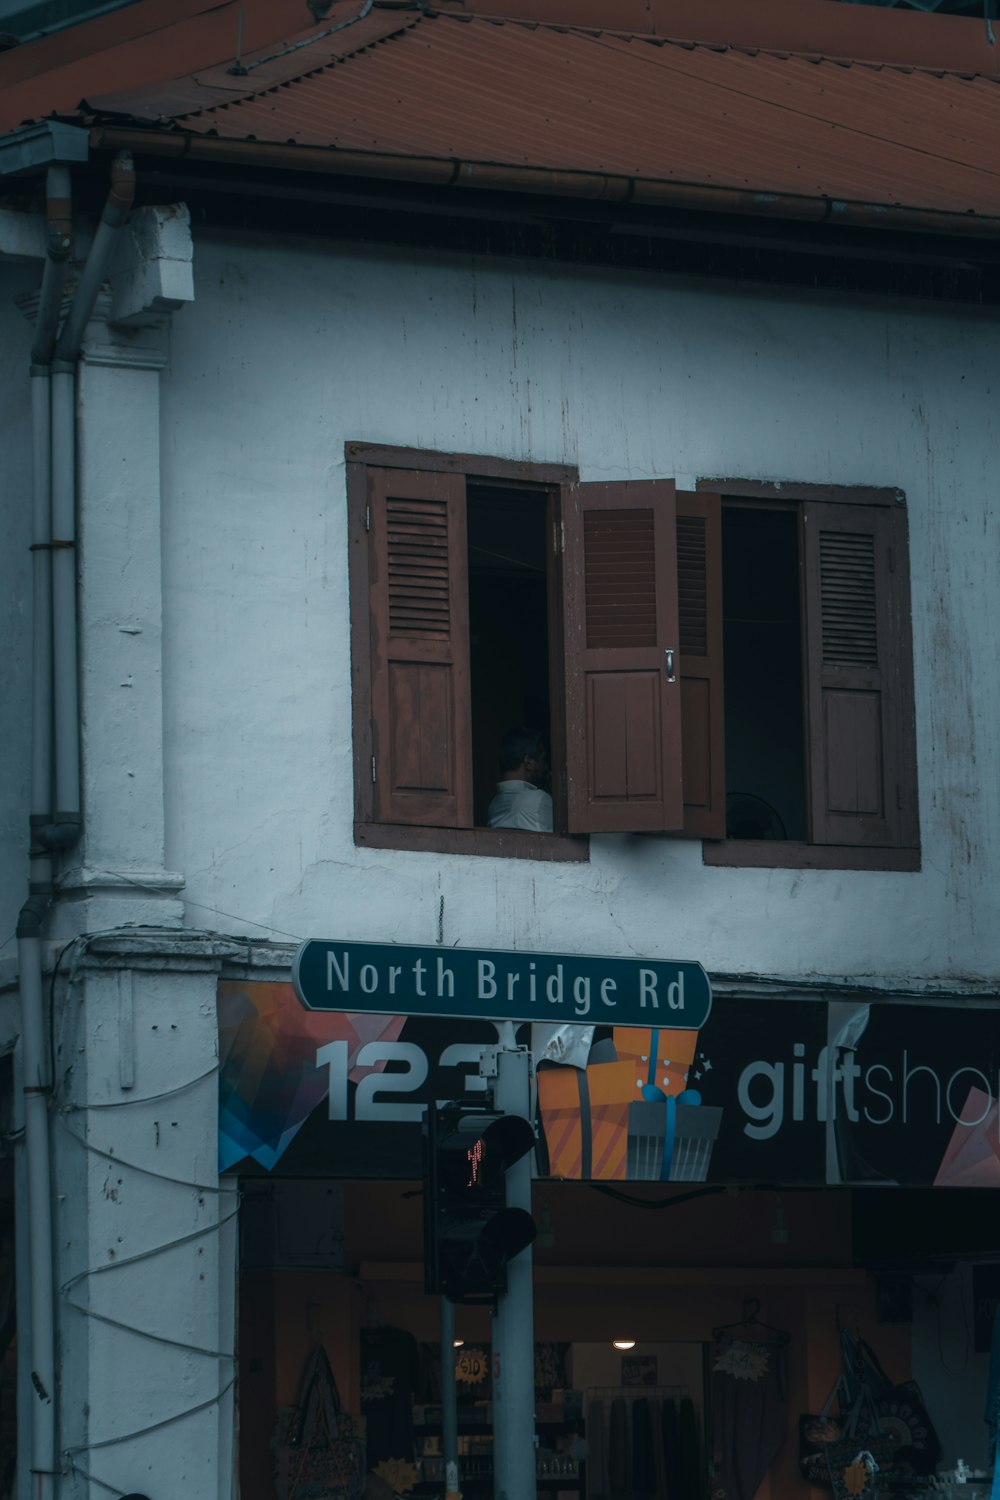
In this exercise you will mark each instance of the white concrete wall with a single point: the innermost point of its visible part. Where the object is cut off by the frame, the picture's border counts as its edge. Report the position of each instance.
(145, 1235)
(291, 351)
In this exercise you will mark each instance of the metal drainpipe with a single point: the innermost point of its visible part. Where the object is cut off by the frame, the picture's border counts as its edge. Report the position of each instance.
(56, 730)
(36, 1280)
(67, 822)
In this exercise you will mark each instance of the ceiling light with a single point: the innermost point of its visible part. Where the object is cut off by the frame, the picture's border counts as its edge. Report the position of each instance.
(457, 1343)
(623, 1343)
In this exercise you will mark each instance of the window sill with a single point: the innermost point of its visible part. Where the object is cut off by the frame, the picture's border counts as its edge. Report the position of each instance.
(492, 843)
(774, 854)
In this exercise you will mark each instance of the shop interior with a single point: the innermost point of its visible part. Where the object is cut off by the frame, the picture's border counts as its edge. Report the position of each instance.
(636, 1293)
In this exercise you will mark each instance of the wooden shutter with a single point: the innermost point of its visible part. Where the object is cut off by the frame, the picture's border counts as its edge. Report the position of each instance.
(862, 765)
(623, 705)
(699, 589)
(421, 709)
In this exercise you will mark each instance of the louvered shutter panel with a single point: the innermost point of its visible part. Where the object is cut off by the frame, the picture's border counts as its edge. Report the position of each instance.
(421, 710)
(623, 727)
(699, 588)
(861, 742)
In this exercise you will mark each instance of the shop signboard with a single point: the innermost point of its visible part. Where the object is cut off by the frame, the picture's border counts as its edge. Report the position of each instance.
(506, 986)
(799, 1092)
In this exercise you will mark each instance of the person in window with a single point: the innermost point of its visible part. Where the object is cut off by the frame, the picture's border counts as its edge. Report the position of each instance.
(520, 801)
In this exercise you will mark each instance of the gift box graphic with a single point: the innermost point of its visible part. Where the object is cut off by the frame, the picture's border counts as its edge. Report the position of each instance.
(585, 1118)
(632, 1117)
(672, 1141)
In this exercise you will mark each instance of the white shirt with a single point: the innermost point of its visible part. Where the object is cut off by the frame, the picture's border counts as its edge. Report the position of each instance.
(519, 804)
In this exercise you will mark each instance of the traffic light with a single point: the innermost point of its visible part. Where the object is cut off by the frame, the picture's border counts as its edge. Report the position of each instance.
(469, 1232)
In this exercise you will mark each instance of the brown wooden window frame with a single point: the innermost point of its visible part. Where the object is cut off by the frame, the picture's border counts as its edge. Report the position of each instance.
(903, 855)
(369, 831)
(591, 682)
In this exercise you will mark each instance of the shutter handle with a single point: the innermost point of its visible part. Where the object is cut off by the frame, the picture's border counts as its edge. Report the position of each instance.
(669, 654)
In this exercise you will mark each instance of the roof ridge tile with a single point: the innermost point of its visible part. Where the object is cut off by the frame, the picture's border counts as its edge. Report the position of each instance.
(689, 44)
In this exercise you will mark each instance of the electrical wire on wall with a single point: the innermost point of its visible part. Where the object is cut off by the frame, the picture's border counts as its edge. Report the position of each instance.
(63, 1109)
(191, 1411)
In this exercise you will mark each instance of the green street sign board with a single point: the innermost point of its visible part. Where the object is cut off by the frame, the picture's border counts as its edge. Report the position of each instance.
(501, 986)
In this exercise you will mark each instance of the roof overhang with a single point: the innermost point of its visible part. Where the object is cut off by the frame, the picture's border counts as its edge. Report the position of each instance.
(47, 143)
(611, 188)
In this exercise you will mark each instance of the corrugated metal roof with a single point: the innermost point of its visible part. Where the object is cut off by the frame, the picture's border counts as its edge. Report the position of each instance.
(223, 83)
(520, 94)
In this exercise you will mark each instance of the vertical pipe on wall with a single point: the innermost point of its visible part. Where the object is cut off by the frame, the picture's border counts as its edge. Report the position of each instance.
(55, 748)
(36, 1384)
(41, 1293)
(64, 635)
(64, 564)
(22, 1286)
(58, 247)
(41, 580)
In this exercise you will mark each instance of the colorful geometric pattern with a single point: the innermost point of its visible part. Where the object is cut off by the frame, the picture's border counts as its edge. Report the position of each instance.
(269, 1083)
(973, 1155)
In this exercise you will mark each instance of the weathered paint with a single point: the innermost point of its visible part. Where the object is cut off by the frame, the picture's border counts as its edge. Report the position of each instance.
(217, 712)
(289, 355)
(628, 379)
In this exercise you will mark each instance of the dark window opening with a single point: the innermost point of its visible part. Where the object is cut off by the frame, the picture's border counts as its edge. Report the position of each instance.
(762, 647)
(508, 625)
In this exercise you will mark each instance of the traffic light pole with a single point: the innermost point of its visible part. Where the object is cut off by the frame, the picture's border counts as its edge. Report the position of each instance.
(449, 1402)
(513, 1320)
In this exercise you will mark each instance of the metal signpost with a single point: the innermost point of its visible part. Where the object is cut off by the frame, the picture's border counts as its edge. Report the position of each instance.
(513, 1340)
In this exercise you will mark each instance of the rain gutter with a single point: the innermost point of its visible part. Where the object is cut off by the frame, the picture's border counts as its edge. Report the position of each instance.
(606, 187)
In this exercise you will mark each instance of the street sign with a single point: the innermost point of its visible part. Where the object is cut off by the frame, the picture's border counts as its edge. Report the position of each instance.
(502, 986)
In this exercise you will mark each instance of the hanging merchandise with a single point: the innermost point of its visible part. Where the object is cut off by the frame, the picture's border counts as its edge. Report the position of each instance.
(898, 1409)
(828, 1439)
(619, 1456)
(817, 1430)
(551, 1371)
(390, 1376)
(749, 1403)
(643, 1466)
(857, 1481)
(866, 1410)
(598, 1471)
(854, 1459)
(319, 1454)
(638, 1447)
(689, 1458)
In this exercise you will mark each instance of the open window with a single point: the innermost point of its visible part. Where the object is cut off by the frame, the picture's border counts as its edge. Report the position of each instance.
(730, 665)
(818, 739)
